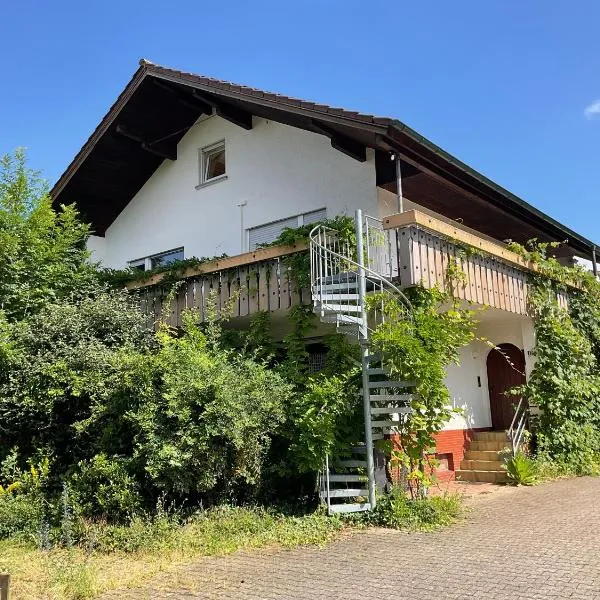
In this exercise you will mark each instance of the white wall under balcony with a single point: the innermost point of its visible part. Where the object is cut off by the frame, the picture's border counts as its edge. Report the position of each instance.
(470, 393)
(277, 170)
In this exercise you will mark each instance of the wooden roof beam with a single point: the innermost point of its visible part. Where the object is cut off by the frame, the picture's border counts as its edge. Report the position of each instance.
(184, 98)
(340, 142)
(227, 111)
(163, 151)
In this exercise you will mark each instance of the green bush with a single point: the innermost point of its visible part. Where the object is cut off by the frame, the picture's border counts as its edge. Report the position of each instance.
(103, 487)
(548, 469)
(21, 515)
(22, 503)
(63, 365)
(419, 348)
(565, 381)
(325, 417)
(395, 510)
(140, 533)
(204, 416)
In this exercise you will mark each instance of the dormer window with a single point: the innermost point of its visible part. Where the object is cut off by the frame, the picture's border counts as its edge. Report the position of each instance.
(212, 163)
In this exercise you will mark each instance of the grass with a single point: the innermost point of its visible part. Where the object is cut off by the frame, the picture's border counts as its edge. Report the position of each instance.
(550, 470)
(534, 470)
(396, 511)
(113, 557)
(120, 557)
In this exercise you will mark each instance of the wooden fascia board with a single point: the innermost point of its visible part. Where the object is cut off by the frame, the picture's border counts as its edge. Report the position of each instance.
(419, 219)
(248, 258)
(102, 128)
(477, 186)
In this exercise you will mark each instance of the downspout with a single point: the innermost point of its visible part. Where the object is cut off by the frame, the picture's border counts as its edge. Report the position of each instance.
(242, 230)
(594, 263)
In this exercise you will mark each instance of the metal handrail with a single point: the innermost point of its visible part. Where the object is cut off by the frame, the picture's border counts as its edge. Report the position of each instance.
(372, 249)
(317, 272)
(517, 426)
(339, 286)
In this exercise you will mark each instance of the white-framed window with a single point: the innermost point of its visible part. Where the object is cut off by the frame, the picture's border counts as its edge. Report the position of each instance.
(212, 163)
(162, 259)
(269, 232)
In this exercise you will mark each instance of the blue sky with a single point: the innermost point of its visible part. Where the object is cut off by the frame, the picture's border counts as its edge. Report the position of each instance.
(504, 86)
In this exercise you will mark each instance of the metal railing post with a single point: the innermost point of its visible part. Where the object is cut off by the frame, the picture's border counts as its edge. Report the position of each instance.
(363, 337)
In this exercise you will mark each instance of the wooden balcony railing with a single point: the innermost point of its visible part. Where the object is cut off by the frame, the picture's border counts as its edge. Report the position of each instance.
(251, 282)
(423, 247)
(417, 248)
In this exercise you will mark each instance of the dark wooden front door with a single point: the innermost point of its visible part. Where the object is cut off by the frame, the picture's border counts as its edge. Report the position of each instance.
(503, 376)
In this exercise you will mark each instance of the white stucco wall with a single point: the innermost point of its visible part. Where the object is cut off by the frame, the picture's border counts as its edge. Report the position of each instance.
(277, 170)
(97, 247)
(499, 327)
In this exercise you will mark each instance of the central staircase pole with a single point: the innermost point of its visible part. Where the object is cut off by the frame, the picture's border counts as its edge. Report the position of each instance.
(363, 336)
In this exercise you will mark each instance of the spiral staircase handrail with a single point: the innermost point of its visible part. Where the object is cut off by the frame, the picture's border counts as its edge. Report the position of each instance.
(392, 289)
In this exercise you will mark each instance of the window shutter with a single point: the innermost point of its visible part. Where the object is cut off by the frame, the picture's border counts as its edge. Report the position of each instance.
(314, 216)
(265, 234)
(268, 233)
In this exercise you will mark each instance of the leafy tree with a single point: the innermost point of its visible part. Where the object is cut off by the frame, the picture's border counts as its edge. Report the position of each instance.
(122, 413)
(42, 252)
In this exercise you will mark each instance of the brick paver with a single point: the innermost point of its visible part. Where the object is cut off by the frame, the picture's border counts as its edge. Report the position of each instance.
(540, 542)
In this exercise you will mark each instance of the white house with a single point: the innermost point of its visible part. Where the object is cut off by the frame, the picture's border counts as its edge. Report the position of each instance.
(184, 165)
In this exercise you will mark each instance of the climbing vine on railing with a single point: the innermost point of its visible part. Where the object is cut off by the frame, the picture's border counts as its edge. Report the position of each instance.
(298, 264)
(565, 382)
(171, 273)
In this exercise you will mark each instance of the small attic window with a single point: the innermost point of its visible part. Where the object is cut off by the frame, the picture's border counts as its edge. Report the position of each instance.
(212, 163)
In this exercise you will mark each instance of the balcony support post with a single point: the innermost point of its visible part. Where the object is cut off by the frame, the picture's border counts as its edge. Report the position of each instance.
(364, 348)
(399, 184)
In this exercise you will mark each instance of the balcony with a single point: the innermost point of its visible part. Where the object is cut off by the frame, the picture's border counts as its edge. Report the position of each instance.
(245, 284)
(411, 248)
(420, 248)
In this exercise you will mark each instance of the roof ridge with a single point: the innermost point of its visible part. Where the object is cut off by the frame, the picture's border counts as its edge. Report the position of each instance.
(255, 91)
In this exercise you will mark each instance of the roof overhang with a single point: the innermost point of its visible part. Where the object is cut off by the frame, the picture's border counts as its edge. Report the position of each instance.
(159, 105)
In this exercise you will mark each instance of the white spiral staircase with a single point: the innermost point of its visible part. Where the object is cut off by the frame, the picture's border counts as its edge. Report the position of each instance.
(341, 283)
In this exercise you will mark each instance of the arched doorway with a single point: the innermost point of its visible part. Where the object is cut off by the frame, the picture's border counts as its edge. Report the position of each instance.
(505, 370)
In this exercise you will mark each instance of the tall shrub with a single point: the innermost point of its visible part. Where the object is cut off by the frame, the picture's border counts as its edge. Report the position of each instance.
(42, 252)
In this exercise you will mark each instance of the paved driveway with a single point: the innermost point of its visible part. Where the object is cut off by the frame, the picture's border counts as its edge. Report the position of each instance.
(541, 542)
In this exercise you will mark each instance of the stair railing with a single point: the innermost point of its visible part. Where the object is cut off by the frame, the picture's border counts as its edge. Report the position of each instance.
(517, 426)
(340, 283)
(333, 264)
(378, 247)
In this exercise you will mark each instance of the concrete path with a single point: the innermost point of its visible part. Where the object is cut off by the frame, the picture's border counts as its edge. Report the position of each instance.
(540, 542)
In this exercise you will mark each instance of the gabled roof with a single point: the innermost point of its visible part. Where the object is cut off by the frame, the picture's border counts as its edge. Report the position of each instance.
(159, 105)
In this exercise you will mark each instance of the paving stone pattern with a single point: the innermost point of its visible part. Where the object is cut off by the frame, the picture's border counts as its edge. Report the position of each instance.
(540, 542)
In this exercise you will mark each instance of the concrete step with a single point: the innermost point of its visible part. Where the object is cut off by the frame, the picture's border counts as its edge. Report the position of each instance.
(481, 465)
(486, 446)
(490, 436)
(481, 455)
(483, 476)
